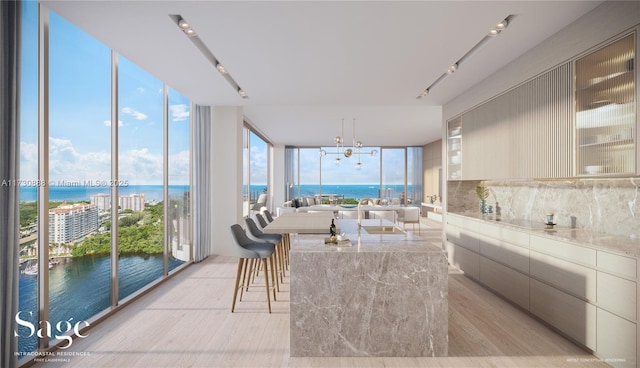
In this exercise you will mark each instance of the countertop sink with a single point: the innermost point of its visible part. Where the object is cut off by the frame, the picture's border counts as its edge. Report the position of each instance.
(383, 230)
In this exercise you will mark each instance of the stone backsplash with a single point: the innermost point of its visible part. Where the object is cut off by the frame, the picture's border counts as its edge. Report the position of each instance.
(610, 206)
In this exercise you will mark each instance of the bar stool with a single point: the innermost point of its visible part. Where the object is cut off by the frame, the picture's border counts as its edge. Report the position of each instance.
(247, 249)
(263, 223)
(267, 215)
(275, 239)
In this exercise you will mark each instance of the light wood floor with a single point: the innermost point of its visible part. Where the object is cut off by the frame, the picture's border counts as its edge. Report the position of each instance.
(186, 322)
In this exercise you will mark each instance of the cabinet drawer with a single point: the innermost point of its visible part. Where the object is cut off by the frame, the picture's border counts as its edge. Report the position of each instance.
(616, 340)
(505, 253)
(463, 238)
(617, 265)
(568, 251)
(617, 295)
(574, 317)
(464, 259)
(463, 222)
(506, 281)
(505, 234)
(575, 279)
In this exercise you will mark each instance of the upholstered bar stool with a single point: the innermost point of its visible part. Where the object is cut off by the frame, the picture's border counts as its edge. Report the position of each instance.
(275, 239)
(246, 250)
(284, 244)
(261, 221)
(267, 216)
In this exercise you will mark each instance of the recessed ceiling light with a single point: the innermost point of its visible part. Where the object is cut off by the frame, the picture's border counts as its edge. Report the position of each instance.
(183, 24)
(221, 68)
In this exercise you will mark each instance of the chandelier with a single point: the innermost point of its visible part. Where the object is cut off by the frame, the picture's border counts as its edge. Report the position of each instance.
(356, 147)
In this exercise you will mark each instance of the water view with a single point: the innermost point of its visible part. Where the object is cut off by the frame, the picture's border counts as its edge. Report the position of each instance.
(80, 288)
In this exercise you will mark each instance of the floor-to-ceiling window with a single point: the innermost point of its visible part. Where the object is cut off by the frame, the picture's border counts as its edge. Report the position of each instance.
(79, 172)
(350, 178)
(178, 176)
(308, 172)
(414, 176)
(153, 180)
(140, 171)
(392, 177)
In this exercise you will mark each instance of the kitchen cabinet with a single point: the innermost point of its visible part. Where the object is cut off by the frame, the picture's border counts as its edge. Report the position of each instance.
(573, 316)
(454, 149)
(605, 110)
(588, 294)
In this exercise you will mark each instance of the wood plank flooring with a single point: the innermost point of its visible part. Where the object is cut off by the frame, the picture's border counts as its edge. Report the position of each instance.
(186, 322)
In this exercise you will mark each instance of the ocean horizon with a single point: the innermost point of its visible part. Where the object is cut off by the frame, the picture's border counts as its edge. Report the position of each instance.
(356, 191)
(152, 193)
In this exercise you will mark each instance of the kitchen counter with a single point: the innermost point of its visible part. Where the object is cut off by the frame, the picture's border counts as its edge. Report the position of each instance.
(380, 295)
(626, 246)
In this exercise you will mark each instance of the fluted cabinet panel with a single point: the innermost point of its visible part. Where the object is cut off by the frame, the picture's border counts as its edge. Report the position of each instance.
(523, 133)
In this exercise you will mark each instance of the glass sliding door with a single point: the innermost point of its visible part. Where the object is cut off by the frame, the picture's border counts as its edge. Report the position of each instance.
(258, 166)
(140, 178)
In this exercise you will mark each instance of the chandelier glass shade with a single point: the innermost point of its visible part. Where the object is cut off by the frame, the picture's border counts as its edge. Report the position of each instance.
(355, 149)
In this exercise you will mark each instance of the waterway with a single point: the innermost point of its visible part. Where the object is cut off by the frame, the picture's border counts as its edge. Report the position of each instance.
(80, 288)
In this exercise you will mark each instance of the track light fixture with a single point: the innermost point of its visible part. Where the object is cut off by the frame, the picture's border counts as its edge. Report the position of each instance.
(493, 32)
(191, 33)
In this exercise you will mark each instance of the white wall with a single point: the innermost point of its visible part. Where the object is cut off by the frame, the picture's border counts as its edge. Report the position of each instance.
(602, 23)
(226, 176)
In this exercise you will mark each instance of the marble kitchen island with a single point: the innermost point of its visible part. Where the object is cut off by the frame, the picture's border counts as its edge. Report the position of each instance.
(385, 295)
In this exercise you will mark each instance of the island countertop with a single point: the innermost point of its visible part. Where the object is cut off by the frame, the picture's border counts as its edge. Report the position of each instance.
(385, 295)
(362, 241)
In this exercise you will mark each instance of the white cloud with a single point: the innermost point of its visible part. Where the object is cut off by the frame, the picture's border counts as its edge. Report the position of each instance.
(179, 112)
(28, 161)
(108, 123)
(137, 166)
(67, 164)
(136, 114)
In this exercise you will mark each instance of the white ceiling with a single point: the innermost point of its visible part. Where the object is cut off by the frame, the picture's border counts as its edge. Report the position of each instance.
(307, 64)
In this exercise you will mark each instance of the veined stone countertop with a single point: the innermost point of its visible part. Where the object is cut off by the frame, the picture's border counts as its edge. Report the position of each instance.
(362, 241)
(386, 295)
(623, 245)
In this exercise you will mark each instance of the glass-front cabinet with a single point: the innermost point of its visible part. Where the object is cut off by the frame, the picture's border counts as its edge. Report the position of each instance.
(454, 148)
(605, 96)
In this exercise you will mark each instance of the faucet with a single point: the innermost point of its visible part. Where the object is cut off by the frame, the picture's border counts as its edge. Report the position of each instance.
(362, 201)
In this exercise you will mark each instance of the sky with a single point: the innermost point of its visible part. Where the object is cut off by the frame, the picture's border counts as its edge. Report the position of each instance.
(80, 112)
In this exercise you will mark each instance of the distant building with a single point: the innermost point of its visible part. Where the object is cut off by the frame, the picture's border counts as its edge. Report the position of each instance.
(102, 201)
(134, 202)
(69, 222)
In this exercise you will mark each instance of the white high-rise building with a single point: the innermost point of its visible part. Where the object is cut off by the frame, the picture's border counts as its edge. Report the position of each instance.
(133, 202)
(69, 222)
(102, 201)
